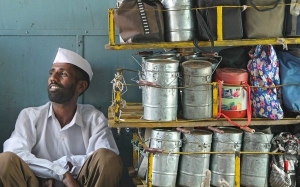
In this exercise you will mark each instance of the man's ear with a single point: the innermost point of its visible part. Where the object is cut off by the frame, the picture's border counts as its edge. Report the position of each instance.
(81, 86)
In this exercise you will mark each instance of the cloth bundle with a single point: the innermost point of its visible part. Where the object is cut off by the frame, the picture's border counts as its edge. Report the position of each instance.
(283, 167)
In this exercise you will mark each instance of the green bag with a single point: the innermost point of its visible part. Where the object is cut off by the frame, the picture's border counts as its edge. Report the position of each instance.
(264, 18)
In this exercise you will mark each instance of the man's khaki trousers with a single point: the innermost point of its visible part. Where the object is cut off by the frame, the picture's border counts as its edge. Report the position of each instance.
(102, 169)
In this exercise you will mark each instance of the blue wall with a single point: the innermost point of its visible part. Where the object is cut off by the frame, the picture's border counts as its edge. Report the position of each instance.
(31, 32)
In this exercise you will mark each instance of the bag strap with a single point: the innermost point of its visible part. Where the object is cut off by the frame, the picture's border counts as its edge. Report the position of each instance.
(145, 23)
(143, 16)
(228, 118)
(266, 9)
(158, 20)
(249, 109)
(205, 29)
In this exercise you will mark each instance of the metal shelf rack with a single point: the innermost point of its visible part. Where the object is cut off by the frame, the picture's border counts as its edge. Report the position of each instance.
(132, 113)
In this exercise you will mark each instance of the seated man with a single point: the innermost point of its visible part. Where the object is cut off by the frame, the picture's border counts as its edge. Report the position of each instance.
(62, 143)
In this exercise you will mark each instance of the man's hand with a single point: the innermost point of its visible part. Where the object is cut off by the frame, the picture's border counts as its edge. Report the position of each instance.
(69, 180)
(46, 182)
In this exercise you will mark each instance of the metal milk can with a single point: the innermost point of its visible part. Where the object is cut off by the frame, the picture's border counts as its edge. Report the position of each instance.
(223, 165)
(161, 89)
(255, 167)
(179, 20)
(197, 92)
(165, 166)
(193, 167)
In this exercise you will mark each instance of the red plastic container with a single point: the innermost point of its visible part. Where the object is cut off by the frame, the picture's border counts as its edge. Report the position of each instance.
(234, 97)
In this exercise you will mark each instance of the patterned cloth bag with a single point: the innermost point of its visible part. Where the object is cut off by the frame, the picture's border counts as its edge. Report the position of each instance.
(264, 76)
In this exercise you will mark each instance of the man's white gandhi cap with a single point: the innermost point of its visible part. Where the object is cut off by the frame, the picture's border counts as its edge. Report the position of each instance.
(67, 56)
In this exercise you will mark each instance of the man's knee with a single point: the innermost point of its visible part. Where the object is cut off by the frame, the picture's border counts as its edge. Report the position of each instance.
(15, 172)
(7, 160)
(8, 157)
(102, 168)
(106, 155)
(8, 154)
(108, 158)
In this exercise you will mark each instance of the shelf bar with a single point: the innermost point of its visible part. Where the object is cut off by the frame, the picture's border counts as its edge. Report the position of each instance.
(189, 44)
(135, 123)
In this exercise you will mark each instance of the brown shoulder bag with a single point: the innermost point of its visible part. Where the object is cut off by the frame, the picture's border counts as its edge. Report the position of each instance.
(140, 21)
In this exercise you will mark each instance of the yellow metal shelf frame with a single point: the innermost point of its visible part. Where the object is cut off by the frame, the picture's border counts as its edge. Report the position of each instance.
(132, 118)
(132, 113)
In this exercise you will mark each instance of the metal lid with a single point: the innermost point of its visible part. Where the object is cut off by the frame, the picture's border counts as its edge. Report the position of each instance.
(162, 56)
(165, 134)
(199, 136)
(196, 64)
(163, 65)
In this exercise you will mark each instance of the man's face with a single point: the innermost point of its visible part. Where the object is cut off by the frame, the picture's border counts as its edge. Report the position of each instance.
(61, 83)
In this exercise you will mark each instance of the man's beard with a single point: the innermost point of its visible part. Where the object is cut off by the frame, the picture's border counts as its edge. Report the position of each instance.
(62, 95)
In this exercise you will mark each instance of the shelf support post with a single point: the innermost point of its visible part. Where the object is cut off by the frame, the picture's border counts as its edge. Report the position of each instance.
(118, 96)
(219, 23)
(237, 169)
(111, 27)
(150, 168)
(215, 99)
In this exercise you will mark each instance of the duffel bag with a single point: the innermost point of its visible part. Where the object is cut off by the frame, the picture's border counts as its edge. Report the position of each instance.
(290, 78)
(231, 14)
